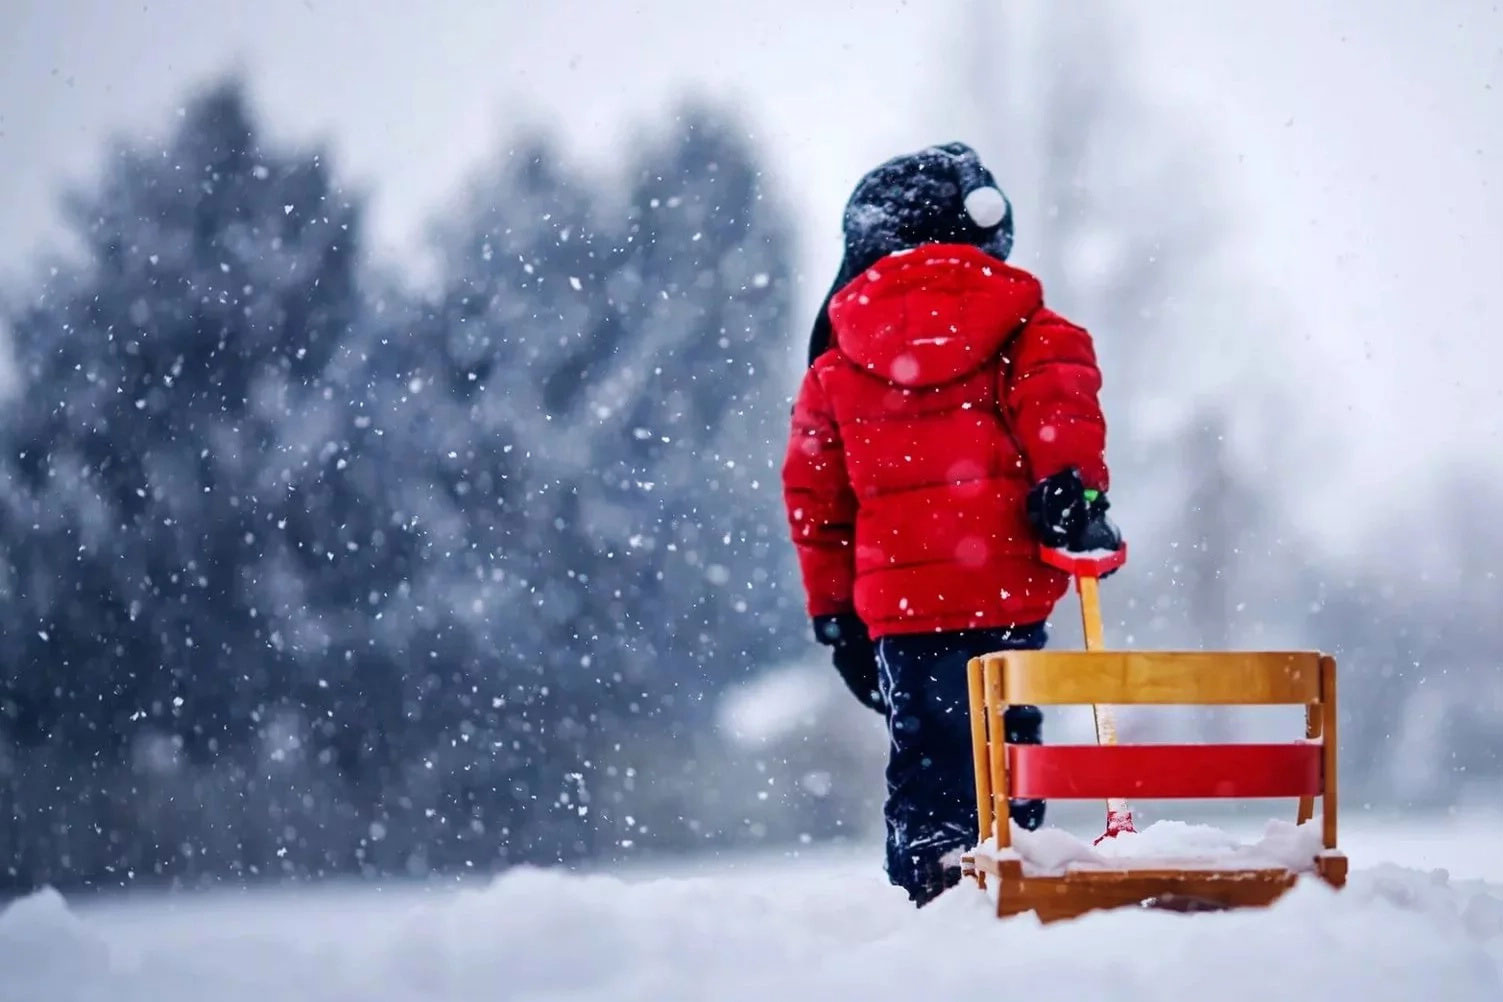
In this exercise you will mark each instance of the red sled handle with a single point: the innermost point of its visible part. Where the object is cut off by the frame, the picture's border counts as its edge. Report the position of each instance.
(1092, 564)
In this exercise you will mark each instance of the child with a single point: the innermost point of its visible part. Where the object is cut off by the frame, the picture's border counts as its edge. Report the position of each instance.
(948, 424)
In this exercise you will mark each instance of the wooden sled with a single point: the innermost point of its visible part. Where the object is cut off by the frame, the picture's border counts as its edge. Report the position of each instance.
(1305, 769)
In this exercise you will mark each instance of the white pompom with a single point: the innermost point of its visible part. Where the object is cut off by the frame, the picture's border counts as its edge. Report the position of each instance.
(986, 206)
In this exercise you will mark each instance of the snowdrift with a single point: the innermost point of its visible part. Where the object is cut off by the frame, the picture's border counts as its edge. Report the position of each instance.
(1167, 845)
(825, 927)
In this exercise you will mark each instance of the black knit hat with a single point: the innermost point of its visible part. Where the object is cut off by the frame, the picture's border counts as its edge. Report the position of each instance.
(942, 194)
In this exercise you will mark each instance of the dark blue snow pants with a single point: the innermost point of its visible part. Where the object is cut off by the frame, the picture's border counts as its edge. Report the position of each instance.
(931, 791)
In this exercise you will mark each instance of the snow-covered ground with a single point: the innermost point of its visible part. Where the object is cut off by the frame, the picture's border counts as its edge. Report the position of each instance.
(818, 925)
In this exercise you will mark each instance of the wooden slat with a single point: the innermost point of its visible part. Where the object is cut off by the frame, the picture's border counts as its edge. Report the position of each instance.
(1080, 891)
(1313, 719)
(1055, 898)
(991, 673)
(1160, 677)
(980, 756)
(1328, 741)
(1164, 772)
(1332, 868)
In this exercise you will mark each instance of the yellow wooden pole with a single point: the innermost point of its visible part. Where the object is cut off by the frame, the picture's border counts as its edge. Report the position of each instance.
(996, 706)
(1090, 621)
(1118, 813)
(980, 750)
(1090, 611)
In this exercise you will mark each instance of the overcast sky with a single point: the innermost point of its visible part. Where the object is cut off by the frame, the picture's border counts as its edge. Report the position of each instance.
(1359, 141)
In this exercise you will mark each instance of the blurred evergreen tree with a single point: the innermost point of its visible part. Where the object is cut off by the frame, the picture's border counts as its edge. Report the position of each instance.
(305, 573)
(624, 341)
(153, 609)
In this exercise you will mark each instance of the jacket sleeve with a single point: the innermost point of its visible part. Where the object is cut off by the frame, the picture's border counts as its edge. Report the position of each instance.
(820, 503)
(1052, 400)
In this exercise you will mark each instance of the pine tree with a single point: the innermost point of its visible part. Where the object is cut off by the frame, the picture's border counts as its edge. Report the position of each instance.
(703, 398)
(627, 355)
(304, 576)
(154, 595)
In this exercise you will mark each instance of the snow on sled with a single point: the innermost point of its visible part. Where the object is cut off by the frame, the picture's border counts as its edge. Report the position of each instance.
(1036, 875)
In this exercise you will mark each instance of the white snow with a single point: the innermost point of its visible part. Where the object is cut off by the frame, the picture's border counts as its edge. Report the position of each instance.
(775, 704)
(1096, 554)
(822, 926)
(1167, 845)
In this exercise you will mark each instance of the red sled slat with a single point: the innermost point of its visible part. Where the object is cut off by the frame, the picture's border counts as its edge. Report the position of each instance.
(1152, 772)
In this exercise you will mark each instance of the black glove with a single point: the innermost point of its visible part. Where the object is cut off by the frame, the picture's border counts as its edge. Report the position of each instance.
(1066, 515)
(854, 654)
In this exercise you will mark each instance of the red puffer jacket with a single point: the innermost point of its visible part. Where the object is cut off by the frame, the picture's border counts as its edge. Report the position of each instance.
(947, 392)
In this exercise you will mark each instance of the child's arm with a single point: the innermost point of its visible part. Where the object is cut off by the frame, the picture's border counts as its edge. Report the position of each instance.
(820, 503)
(1051, 397)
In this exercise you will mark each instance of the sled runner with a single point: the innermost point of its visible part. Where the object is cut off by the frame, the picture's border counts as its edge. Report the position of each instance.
(1302, 769)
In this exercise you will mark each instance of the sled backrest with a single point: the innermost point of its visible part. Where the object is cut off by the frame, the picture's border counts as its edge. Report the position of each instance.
(1304, 769)
(1144, 677)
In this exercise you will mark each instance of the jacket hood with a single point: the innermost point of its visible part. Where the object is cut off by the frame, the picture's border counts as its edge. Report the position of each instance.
(931, 315)
(937, 195)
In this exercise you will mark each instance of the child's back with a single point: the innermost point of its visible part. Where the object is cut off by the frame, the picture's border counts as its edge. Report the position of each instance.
(948, 391)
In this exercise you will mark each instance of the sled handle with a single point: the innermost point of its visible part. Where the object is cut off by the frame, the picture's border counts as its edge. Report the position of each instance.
(1087, 569)
(1091, 564)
